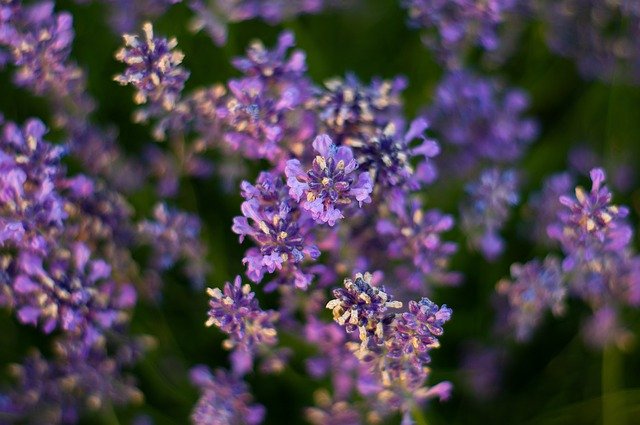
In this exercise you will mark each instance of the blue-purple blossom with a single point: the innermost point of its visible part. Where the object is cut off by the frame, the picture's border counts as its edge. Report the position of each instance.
(53, 278)
(416, 331)
(601, 36)
(394, 345)
(454, 26)
(595, 238)
(362, 307)
(281, 231)
(126, 16)
(350, 110)
(390, 156)
(488, 208)
(39, 42)
(479, 121)
(589, 224)
(534, 289)
(236, 311)
(224, 399)
(415, 234)
(545, 205)
(256, 120)
(174, 236)
(76, 380)
(153, 68)
(263, 115)
(274, 65)
(331, 185)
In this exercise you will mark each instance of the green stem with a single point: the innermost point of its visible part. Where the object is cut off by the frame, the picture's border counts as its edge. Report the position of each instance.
(612, 411)
(418, 416)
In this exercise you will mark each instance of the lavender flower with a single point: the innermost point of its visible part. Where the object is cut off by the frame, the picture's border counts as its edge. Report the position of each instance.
(453, 27)
(236, 312)
(264, 115)
(78, 379)
(535, 289)
(224, 399)
(361, 306)
(350, 110)
(416, 331)
(331, 185)
(545, 205)
(589, 225)
(415, 234)
(600, 36)
(53, 278)
(389, 155)
(595, 238)
(40, 43)
(153, 68)
(174, 235)
(255, 120)
(490, 201)
(279, 228)
(394, 347)
(126, 17)
(480, 121)
(273, 65)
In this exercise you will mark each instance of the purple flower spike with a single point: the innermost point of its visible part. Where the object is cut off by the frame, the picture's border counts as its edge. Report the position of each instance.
(479, 120)
(417, 331)
(281, 230)
(389, 156)
(591, 223)
(273, 64)
(363, 307)
(331, 185)
(153, 68)
(224, 399)
(535, 289)
(236, 311)
(490, 201)
(174, 235)
(350, 110)
(454, 26)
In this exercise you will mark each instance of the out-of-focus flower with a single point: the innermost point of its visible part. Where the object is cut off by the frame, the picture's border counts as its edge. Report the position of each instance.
(478, 121)
(350, 110)
(173, 236)
(236, 311)
(535, 289)
(454, 26)
(488, 208)
(153, 68)
(224, 399)
(601, 36)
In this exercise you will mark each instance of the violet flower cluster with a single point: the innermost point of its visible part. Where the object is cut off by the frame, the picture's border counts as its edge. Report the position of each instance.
(68, 239)
(452, 28)
(394, 346)
(598, 266)
(346, 187)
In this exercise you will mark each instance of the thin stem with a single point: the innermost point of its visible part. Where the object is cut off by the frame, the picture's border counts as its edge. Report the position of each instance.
(612, 411)
(419, 417)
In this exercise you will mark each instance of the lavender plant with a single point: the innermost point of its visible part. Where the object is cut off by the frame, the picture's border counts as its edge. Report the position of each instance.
(100, 227)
